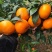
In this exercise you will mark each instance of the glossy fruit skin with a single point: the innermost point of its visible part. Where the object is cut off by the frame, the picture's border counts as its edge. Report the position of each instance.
(7, 27)
(23, 13)
(47, 23)
(44, 11)
(32, 24)
(21, 26)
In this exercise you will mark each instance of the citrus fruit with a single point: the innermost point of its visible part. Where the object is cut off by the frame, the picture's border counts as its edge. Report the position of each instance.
(7, 27)
(23, 13)
(0, 27)
(44, 11)
(30, 21)
(33, 49)
(21, 26)
(47, 24)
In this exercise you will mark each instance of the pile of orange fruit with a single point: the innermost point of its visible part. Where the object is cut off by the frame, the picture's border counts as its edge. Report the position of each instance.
(44, 13)
(21, 26)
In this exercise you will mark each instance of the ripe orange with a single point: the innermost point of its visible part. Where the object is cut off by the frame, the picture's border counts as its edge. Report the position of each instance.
(32, 24)
(33, 48)
(44, 11)
(21, 26)
(47, 24)
(7, 27)
(0, 27)
(23, 13)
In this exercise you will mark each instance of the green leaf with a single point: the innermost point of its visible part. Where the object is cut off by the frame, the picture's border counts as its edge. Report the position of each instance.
(33, 10)
(35, 42)
(43, 38)
(9, 17)
(23, 47)
(15, 8)
(50, 39)
(11, 12)
(15, 18)
(40, 36)
(1, 18)
(37, 34)
(12, 1)
(35, 18)
(36, 3)
(5, 5)
(29, 48)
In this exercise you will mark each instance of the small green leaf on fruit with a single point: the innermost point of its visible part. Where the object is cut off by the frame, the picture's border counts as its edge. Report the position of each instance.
(15, 18)
(15, 8)
(35, 18)
(33, 10)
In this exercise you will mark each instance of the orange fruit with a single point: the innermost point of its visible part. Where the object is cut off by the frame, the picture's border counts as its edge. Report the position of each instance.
(47, 24)
(32, 24)
(23, 13)
(7, 27)
(33, 48)
(44, 11)
(0, 27)
(21, 26)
